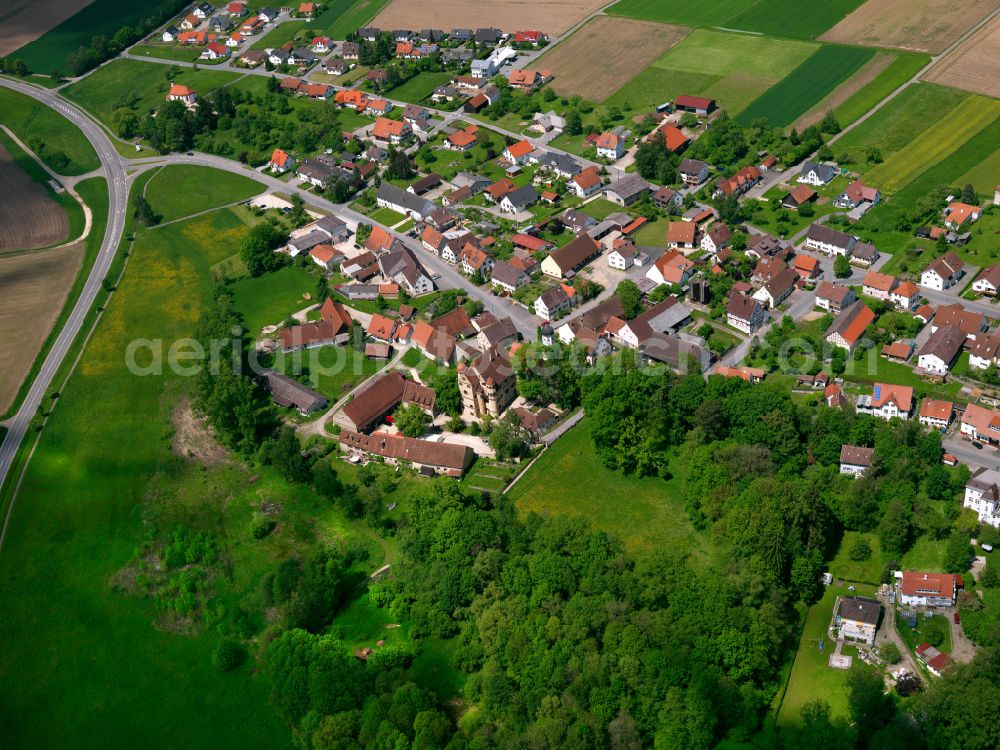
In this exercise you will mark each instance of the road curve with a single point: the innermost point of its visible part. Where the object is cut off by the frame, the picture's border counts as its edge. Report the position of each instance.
(113, 168)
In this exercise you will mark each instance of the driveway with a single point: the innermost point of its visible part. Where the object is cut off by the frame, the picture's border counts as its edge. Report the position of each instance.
(962, 649)
(887, 634)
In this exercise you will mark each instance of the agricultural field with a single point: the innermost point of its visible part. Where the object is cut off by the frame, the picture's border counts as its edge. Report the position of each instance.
(645, 513)
(34, 286)
(29, 218)
(847, 89)
(902, 69)
(185, 189)
(58, 142)
(61, 604)
(578, 71)
(26, 20)
(984, 175)
(917, 25)
(139, 85)
(791, 17)
(553, 17)
(893, 127)
(355, 16)
(974, 65)
(732, 68)
(934, 144)
(49, 52)
(806, 85)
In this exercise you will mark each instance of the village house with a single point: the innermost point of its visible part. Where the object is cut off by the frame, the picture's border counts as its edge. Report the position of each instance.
(610, 146)
(984, 351)
(435, 344)
(671, 268)
(797, 196)
(564, 262)
(517, 153)
(391, 131)
(508, 277)
(682, 235)
(957, 214)
(668, 199)
(817, 173)
(855, 459)
(487, 385)
(552, 302)
(778, 288)
(749, 374)
(519, 199)
(404, 202)
(928, 589)
(887, 401)
(462, 140)
(988, 281)
(693, 172)
(180, 93)
(904, 295)
(624, 255)
(849, 326)
(856, 194)
(823, 239)
(432, 456)
(943, 272)
(528, 80)
(280, 162)
(746, 313)
(982, 491)
(586, 183)
(936, 414)
(739, 183)
(716, 238)
(475, 261)
(807, 267)
(940, 351)
(833, 297)
(878, 285)
(857, 619)
(664, 318)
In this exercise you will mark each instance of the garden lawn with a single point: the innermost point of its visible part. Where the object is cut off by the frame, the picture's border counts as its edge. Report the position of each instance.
(812, 677)
(934, 144)
(183, 190)
(49, 53)
(270, 299)
(654, 234)
(898, 123)
(600, 208)
(733, 68)
(900, 70)
(795, 94)
(865, 571)
(925, 554)
(646, 513)
(83, 664)
(789, 18)
(386, 216)
(420, 86)
(331, 370)
(283, 32)
(141, 85)
(47, 132)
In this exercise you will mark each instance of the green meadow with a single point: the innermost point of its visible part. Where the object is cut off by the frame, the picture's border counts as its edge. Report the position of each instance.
(34, 123)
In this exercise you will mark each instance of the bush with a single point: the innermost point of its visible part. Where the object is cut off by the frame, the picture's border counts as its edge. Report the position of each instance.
(933, 632)
(261, 526)
(228, 655)
(860, 551)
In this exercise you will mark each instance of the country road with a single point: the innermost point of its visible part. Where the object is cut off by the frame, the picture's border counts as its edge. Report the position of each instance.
(113, 168)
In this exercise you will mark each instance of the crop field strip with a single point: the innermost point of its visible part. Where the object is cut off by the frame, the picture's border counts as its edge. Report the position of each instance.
(848, 89)
(793, 18)
(554, 17)
(578, 71)
(23, 21)
(974, 65)
(935, 144)
(902, 69)
(917, 25)
(733, 68)
(806, 85)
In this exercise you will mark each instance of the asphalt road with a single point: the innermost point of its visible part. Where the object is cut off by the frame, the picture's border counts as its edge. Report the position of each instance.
(114, 170)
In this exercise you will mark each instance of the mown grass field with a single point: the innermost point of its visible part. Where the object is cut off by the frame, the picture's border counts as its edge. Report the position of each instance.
(984, 175)
(420, 86)
(733, 68)
(84, 665)
(141, 85)
(31, 121)
(49, 52)
(284, 32)
(356, 13)
(899, 122)
(934, 144)
(270, 299)
(178, 52)
(784, 102)
(902, 69)
(789, 18)
(644, 512)
(186, 189)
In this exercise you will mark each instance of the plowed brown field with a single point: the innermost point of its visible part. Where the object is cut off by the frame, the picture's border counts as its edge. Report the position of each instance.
(23, 21)
(974, 65)
(551, 16)
(29, 218)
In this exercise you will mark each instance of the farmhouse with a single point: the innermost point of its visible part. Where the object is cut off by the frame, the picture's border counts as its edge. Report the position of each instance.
(571, 257)
(797, 196)
(674, 139)
(833, 297)
(682, 234)
(746, 313)
(334, 327)
(971, 323)
(904, 295)
(849, 326)
(508, 277)
(928, 589)
(878, 285)
(401, 201)
(806, 267)
(857, 619)
(940, 351)
(943, 272)
(663, 318)
(778, 288)
(855, 460)
(448, 459)
(380, 398)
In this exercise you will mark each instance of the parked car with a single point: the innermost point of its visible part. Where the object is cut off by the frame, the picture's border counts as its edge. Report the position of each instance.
(977, 445)
(987, 547)
(956, 618)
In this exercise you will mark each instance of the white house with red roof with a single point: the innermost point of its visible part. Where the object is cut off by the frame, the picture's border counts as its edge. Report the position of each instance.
(927, 589)
(610, 146)
(517, 153)
(887, 401)
(586, 183)
(181, 93)
(280, 162)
